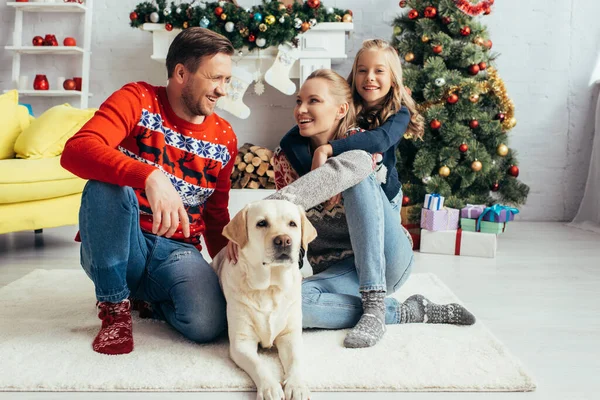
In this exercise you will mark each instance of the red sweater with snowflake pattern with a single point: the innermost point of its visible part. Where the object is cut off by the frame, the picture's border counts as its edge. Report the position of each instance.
(135, 132)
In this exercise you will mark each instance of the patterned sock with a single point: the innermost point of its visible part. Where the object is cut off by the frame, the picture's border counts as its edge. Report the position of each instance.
(371, 326)
(115, 336)
(143, 307)
(418, 309)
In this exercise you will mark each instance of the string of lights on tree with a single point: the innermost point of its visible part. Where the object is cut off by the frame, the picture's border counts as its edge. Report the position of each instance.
(448, 69)
(269, 24)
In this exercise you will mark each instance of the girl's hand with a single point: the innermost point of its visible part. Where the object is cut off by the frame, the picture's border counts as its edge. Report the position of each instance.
(232, 252)
(322, 153)
(335, 200)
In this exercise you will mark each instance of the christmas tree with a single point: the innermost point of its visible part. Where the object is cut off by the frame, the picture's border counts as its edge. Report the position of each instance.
(448, 68)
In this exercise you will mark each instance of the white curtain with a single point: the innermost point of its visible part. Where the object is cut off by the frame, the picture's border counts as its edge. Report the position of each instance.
(588, 216)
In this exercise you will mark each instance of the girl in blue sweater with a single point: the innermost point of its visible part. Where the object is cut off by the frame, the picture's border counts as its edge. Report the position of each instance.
(350, 286)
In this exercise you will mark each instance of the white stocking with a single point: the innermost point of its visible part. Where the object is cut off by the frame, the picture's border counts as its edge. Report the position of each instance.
(278, 75)
(232, 102)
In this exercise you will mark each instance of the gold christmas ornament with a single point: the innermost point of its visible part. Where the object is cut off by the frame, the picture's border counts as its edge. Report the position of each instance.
(502, 150)
(269, 19)
(185, 24)
(478, 40)
(262, 28)
(244, 32)
(425, 39)
(409, 57)
(223, 16)
(347, 18)
(474, 98)
(338, 18)
(444, 171)
(476, 166)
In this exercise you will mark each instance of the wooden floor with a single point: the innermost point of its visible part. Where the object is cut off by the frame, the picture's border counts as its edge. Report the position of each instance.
(540, 296)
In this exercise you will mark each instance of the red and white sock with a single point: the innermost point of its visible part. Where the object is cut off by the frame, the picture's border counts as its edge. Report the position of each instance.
(115, 336)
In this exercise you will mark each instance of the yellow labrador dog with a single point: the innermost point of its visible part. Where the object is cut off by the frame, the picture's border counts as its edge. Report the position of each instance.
(263, 293)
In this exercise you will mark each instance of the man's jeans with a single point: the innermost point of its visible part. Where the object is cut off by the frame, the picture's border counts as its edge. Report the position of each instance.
(121, 260)
(382, 261)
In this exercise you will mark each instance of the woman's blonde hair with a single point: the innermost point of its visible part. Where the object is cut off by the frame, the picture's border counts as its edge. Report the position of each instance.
(339, 89)
(370, 118)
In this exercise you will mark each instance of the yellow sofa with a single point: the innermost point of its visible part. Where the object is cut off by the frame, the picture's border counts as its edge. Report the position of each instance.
(35, 191)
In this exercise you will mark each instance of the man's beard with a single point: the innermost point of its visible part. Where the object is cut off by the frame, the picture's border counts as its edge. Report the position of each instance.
(194, 106)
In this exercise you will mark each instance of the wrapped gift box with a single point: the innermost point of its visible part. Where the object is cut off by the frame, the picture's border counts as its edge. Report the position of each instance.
(459, 243)
(499, 213)
(484, 226)
(433, 201)
(440, 220)
(472, 211)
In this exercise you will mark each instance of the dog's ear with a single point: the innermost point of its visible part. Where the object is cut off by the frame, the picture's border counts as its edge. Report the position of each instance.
(237, 229)
(309, 233)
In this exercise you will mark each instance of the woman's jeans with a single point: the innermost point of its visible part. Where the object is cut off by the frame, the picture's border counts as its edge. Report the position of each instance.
(382, 261)
(122, 260)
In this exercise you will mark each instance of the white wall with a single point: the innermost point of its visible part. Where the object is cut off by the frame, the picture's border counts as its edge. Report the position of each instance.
(548, 49)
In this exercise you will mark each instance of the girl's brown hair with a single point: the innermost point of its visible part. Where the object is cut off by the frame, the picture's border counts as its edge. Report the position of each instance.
(340, 90)
(370, 118)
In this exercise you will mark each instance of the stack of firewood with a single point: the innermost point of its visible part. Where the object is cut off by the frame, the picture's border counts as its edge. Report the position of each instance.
(253, 168)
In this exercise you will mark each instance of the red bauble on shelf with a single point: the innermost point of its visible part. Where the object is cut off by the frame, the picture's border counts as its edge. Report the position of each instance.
(50, 40)
(38, 41)
(40, 82)
(69, 84)
(314, 3)
(168, 27)
(69, 41)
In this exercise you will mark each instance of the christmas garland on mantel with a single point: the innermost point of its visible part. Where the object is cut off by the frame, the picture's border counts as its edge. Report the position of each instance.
(269, 24)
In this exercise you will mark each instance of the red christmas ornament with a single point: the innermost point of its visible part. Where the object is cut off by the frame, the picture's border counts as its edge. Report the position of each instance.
(465, 31)
(437, 49)
(169, 27)
(487, 11)
(41, 83)
(500, 116)
(474, 69)
(463, 148)
(38, 41)
(251, 38)
(50, 40)
(513, 171)
(405, 200)
(474, 124)
(452, 99)
(488, 44)
(69, 41)
(495, 187)
(305, 26)
(446, 20)
(314, 3)
(133, 16)
(413, 14)
(349, 12)
(430, 12)
(435, 124)
(402, 3)
(69, 84)
(482, 65)
(218, 11)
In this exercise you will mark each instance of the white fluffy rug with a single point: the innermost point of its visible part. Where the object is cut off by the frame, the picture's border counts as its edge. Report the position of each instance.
(48, 321)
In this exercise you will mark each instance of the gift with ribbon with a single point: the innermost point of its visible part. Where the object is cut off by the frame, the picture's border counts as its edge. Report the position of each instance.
(459, 243)
(433, 201)
(440, 220)
(499, 213)
(472, 225)
(472, 211)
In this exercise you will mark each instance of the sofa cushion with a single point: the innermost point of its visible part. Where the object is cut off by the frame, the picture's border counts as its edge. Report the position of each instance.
(47, 134)
(30, 180)
(15, 118)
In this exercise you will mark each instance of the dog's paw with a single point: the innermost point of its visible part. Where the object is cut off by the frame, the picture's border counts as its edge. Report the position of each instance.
(295, 388)
(269, 389)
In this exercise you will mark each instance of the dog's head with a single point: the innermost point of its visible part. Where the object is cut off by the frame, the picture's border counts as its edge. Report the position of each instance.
(271, 232)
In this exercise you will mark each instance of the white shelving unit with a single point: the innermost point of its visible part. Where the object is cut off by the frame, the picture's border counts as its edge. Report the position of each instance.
(18, 48)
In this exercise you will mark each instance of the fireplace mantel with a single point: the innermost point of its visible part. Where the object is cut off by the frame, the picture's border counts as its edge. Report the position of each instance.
(320, 47)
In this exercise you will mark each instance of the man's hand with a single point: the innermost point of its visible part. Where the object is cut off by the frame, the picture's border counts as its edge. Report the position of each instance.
(232, 251)
(167, 207)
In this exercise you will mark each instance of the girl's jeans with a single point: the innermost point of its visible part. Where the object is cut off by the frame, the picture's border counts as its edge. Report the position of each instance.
(382, 261)
(122, 260)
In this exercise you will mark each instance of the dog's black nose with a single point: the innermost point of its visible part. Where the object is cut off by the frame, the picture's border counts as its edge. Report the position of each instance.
(282, 241)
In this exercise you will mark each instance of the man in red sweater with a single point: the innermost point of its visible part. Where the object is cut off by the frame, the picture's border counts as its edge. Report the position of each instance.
(158, 162)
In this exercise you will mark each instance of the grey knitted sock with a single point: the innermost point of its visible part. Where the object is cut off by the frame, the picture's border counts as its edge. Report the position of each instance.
(418, 309)
(371, 326)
